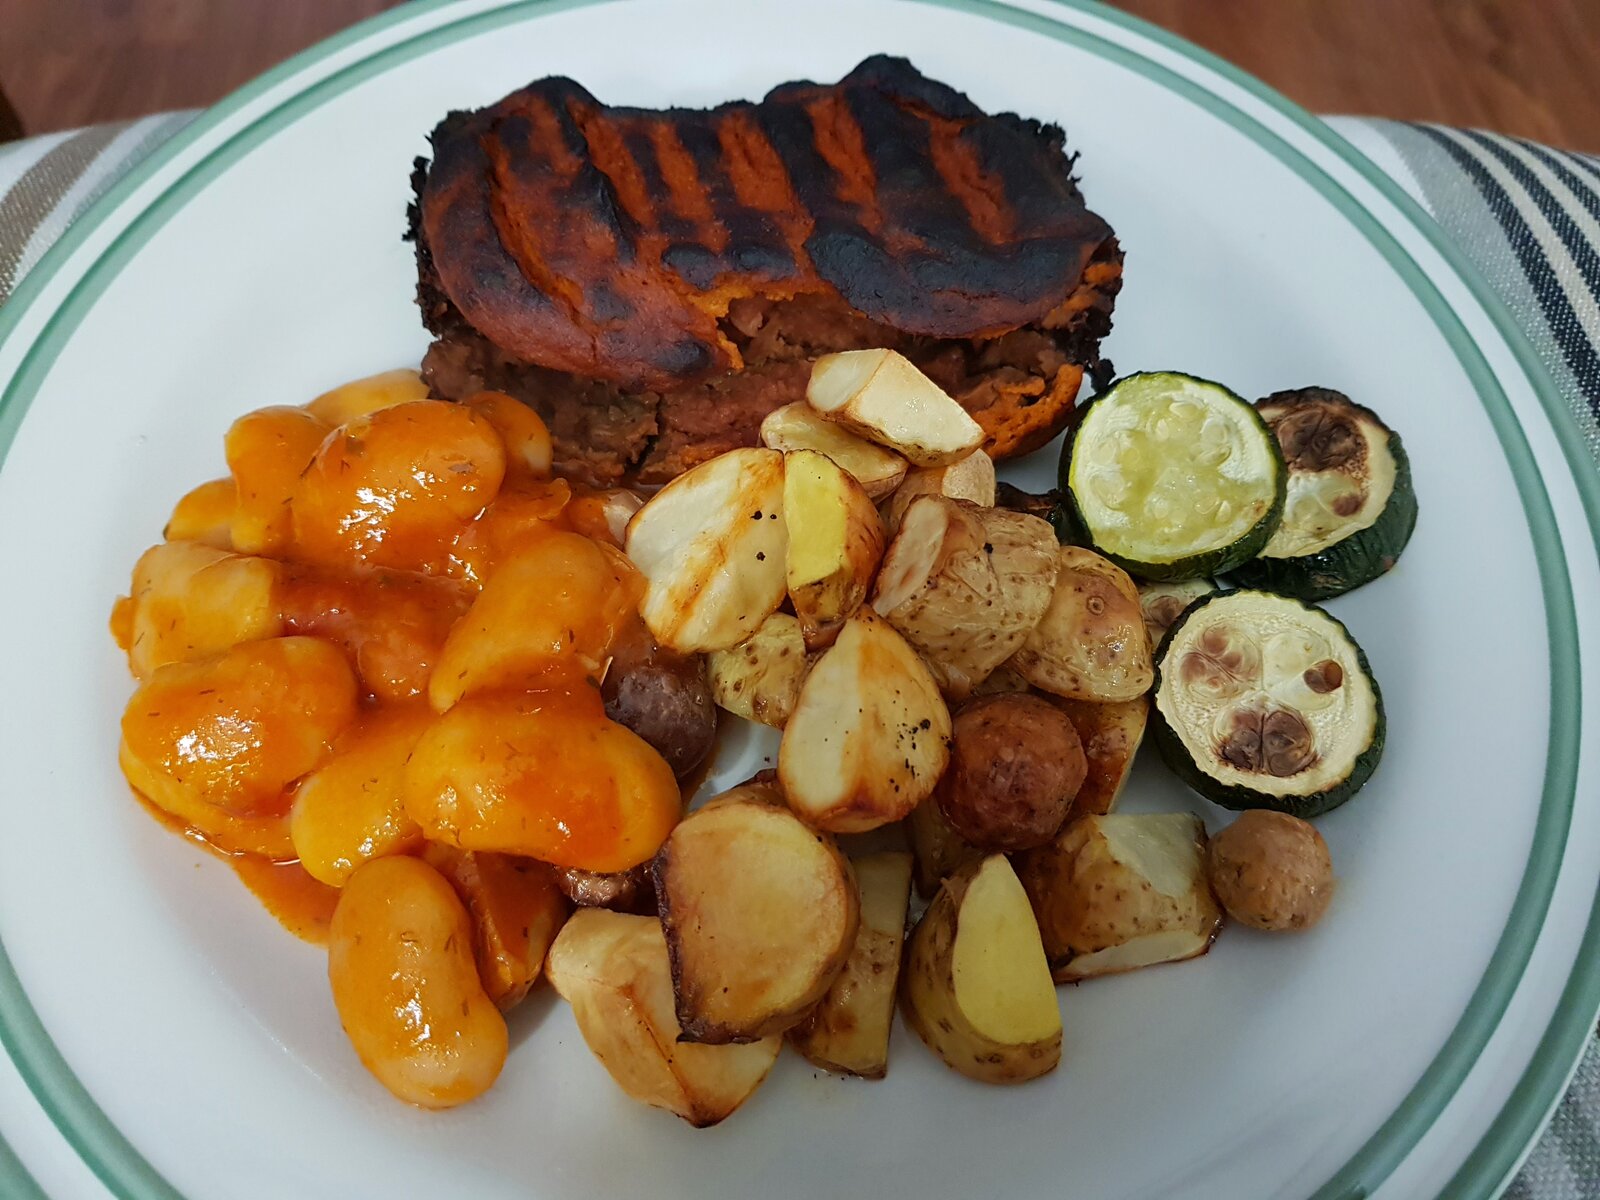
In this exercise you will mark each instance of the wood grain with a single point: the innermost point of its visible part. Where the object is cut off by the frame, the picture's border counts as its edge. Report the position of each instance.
(1514, 66)
(1519, 66)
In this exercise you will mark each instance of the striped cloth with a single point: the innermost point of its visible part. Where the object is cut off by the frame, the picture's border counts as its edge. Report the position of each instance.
(45, 182)
(1527, 215)
(1529, 218)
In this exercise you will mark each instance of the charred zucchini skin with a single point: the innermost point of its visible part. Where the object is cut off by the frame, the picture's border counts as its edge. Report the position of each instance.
(1072, 529)
(1350, 562)
(1238, 797)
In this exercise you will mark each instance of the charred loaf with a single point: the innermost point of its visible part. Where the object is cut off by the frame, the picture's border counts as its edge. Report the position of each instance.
(655, 282)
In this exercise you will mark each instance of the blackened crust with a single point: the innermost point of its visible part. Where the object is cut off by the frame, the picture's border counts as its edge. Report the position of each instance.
(609, 243)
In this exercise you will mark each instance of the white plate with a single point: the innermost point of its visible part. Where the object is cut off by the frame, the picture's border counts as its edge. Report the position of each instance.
(184, 1045)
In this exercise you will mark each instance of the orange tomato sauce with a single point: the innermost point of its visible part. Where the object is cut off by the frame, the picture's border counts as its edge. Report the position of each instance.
(303, 905)
(399, 532)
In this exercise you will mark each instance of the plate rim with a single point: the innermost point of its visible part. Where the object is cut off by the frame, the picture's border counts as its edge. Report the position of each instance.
(126, 1173)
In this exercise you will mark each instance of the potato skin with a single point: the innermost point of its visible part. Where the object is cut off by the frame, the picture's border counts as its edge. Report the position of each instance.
(1271, 871)
(936, 850)
(1091, 643)
(663, 697)
(932, 1012)
(1111, 732)
(760, 913)
(613, 969)
(1090, 896)
(1016, 764)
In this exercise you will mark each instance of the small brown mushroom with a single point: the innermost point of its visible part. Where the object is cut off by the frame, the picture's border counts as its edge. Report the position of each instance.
(630, 891)
(1271, 871)
(1016, 764)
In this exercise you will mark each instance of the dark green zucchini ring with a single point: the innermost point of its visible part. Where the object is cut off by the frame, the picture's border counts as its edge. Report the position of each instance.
(1173, 477)
(1350, 508)
(1264, 701)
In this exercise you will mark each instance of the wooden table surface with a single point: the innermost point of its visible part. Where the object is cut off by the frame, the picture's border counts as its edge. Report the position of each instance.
(1518, 66)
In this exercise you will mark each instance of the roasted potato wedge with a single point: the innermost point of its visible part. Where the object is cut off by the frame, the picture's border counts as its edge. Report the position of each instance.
(1120, 892)
(970, 478)
(760, 679)
(1091, 643)
(937, 850)
(711, 545)
(965, 585)
(848, 1031)
(613, 969)
(869, 736)
(192, 600)
(976, 987)
(1110, 733)
(760, 913)
(516, 911)
(881, 396)
(835, 543)
(798, 426)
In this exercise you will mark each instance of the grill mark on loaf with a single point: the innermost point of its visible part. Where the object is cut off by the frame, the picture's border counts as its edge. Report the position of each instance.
(960, 167)
(762, 185)
(696, 251)
(752, 245)
(839, 141)
(563, 213)
(926, 213)
(523, 248)
(685, 194)
(608, 147)
(455, 210)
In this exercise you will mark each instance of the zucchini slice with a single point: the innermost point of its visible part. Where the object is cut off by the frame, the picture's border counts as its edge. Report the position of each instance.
(1163, 603)
(1263, 701)
(1173, 477)
(1350, 507)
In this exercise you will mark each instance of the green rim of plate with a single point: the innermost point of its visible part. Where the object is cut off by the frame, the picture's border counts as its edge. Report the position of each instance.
(19, 1185)
(127, 1174)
